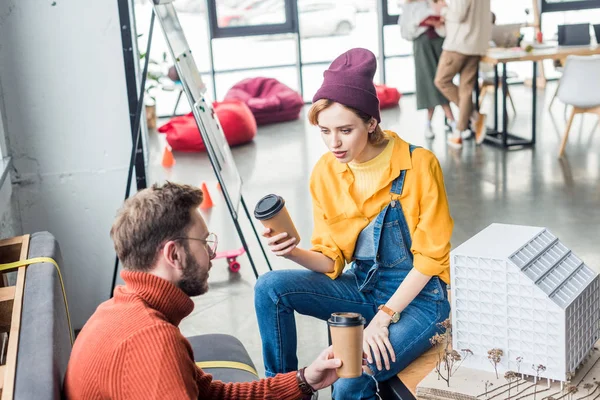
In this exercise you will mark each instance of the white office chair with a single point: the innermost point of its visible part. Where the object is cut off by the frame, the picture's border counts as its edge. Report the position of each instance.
(560, 69)
(580, 88)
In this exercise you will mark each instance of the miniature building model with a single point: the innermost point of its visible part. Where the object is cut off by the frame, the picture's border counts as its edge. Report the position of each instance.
(519, 289)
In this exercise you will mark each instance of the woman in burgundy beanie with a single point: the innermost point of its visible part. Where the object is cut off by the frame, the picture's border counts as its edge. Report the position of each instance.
(379, 205)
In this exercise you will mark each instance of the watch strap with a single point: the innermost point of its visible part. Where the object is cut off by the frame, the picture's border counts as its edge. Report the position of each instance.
(387, 310)
(305, 388)
(394, 315)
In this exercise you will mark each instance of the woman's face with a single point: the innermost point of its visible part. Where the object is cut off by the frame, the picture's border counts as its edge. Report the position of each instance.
(345, 134)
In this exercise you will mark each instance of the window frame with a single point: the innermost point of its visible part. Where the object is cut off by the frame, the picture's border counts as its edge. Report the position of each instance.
(569, 6)
(216, 32)
(387, 18)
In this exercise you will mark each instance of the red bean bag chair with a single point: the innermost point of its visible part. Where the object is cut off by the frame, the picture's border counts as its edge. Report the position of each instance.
(236, 120)
(388, 96)
(270, 100)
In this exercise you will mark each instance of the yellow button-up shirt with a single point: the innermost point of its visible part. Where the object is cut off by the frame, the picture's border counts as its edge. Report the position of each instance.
(338, 219)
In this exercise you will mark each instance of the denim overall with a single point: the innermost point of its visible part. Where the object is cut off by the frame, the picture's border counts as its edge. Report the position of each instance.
(382, 259)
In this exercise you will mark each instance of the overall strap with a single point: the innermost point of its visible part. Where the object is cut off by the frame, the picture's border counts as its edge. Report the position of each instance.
(398, 184)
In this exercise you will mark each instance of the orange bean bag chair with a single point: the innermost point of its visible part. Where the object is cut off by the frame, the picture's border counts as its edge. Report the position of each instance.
(237, 122)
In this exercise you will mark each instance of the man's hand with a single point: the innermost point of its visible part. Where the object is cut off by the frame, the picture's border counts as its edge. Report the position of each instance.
(376, 341)
(321, 373)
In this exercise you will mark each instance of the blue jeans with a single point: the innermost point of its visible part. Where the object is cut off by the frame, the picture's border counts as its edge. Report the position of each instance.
(279, 293)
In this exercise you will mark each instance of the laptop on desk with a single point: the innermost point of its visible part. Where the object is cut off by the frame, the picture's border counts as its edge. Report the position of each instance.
(574, 35)
(507, 35)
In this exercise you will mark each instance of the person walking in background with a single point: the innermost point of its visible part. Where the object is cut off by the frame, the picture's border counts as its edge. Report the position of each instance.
(422, 25)
(468, 31)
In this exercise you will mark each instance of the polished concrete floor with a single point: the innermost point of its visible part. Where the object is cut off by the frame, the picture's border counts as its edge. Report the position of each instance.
(484, 185)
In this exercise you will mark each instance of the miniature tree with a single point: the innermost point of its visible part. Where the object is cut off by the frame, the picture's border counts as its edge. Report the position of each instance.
(510, 376)
(446, 364)
(571, 390)
(538, 369)
(465, 354)
(488, 385)
(519, 360)
(494, 355)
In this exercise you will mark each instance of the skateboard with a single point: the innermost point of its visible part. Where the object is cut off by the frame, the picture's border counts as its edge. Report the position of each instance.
(231, 256)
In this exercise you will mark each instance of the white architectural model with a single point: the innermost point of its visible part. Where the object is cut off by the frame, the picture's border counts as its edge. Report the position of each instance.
(519, 289)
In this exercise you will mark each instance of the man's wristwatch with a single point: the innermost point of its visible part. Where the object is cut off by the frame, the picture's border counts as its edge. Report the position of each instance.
(305, 388)
(393, 314)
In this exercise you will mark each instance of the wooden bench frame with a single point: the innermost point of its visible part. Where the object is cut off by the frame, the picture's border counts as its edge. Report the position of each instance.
(418, 370)
(11, 303)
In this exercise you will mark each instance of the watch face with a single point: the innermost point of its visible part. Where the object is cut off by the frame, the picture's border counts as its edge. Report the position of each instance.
(396, 317)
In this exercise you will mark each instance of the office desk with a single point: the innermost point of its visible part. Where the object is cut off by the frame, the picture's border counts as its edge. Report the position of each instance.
(496, 56)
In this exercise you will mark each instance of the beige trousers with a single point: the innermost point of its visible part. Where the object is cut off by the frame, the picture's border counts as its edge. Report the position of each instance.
(450, 64)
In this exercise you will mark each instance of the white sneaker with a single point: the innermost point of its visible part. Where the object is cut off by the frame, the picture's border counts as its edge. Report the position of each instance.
(429, 134)
(450, 126)
(466, 134)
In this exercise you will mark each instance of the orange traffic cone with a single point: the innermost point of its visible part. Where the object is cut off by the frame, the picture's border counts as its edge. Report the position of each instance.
(168, 160)
(206, 201)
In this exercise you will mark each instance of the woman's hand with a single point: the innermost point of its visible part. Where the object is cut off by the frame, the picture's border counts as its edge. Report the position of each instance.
(376, 341)
(438, 24)
(282, 249)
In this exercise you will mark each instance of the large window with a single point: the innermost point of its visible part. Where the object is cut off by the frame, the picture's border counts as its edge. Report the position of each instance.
(568, 5)
(295, 40)
(194, 21)
(251, 17)
(521, 11)
(327, 29)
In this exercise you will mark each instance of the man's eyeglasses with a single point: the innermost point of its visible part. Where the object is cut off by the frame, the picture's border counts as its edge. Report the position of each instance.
(211, 242)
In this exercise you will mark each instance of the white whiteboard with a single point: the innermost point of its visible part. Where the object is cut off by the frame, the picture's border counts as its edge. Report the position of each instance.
(210, 129)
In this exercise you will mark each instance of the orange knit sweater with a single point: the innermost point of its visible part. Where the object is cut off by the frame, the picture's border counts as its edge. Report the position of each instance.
(131, 348)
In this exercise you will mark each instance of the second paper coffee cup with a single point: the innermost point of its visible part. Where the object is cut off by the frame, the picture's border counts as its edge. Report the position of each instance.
(347, 338)
(271, 211)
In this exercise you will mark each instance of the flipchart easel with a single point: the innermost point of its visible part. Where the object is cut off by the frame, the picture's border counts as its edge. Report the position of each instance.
(208, 124)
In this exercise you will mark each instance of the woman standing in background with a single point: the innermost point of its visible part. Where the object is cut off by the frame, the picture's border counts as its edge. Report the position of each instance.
(420, 24)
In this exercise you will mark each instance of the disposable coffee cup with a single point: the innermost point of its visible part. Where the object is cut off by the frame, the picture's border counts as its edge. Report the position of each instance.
(346, 331)
(271, 211)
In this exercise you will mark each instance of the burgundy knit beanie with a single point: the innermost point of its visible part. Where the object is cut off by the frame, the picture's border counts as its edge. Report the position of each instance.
(349, 81)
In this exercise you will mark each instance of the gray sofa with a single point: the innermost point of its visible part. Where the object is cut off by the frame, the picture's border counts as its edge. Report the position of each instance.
(44, 340)
(45, 345)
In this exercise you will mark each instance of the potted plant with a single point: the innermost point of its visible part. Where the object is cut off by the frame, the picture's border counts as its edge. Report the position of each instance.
(153, 83)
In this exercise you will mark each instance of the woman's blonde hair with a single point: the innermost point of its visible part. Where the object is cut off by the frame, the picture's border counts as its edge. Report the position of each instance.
(376, 137)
